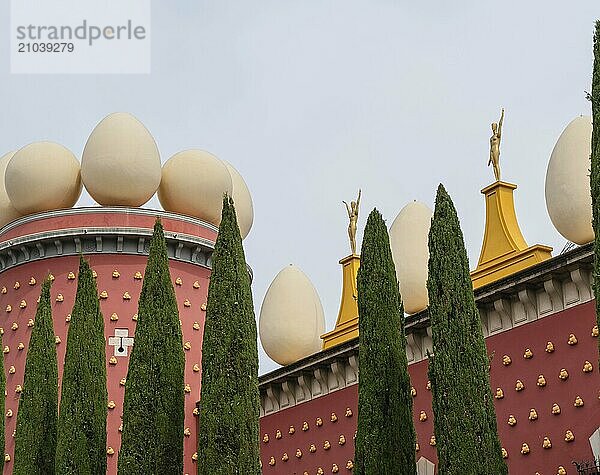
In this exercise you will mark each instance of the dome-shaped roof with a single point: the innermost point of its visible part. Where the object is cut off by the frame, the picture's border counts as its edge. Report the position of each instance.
(193, 183)
(7, 211)
(42, 176)
(291, 317)
(242, 199)
(568, 197)
(120, 165)
(409, 236)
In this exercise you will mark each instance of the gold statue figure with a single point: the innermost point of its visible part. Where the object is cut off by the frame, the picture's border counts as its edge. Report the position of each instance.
(353, 216)
(495, 146)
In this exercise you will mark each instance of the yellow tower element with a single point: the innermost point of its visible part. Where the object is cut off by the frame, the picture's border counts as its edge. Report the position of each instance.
(504, 250)
(346, 327)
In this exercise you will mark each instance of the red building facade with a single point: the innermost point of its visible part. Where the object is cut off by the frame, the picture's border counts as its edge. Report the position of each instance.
(540, 331)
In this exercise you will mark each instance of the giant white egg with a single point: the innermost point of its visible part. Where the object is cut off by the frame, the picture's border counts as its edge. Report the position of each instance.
(291, 317)
(242, 200)
(409, 236)
(193, 183)
(120, 165)
(8, 212)
(42, 176)
(568, 197)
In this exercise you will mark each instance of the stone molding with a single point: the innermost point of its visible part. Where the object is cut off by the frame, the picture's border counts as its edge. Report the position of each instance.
(115, 240)
(542, 290)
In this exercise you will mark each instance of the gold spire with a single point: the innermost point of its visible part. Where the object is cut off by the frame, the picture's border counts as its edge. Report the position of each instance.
(346, 326)
(504, 250)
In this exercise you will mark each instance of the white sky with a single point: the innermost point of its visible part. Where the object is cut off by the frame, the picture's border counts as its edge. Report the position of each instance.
(311, 100)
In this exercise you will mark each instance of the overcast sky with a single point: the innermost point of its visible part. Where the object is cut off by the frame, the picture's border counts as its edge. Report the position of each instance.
(312, 99)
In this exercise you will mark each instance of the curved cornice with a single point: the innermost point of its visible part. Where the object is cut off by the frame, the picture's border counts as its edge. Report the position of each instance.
(115, 240)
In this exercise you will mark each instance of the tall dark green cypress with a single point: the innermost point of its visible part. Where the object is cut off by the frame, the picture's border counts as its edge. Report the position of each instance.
(81, 440)
(229, 402)
(595, 166)
(153, 410)
(35, 443)
(463, 407)
(385, 439)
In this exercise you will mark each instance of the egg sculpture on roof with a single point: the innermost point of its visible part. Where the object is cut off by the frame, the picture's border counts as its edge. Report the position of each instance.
(42, 176)
(568, 197)
(193, 183)
(8, 212)
(120, 165)
(409, 237)
(242, 199)
(291, 318)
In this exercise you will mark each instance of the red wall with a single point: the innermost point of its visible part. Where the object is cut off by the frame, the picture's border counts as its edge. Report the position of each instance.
(582, 421)
(104, 265)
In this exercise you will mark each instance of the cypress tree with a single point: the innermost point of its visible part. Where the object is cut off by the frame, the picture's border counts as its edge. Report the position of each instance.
(153, 410)
(35, 443)
(229, 412)
(385, 439)
(595, 166)
(463, 407)
(81, 440)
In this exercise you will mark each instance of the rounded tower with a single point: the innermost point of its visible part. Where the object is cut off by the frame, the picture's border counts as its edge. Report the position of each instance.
(116, 243)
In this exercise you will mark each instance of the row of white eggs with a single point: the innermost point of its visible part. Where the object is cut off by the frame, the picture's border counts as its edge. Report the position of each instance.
(291, 317)
(120, 166)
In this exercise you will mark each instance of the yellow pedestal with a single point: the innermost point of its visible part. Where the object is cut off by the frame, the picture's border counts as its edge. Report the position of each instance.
(346, 327)
(504, 250)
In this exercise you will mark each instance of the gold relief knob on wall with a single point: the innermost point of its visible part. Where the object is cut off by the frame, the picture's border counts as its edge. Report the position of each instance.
(519, 386)
(572, 339)
(533, 415)
(563, 375)
(512, 420)
(499, 393)
(546, 444)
